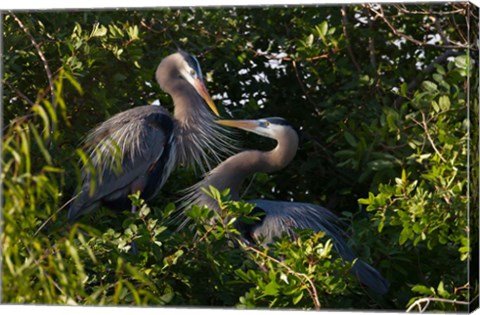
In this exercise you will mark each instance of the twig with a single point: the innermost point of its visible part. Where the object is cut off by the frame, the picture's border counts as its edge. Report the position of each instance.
(302, 85)
(285, 58)
(423, 124)
(58, 210)
(371, 46)
(312, 291)
(402, 9)
(41, 55)
(381, 15)
(17, 120)
(19, 93)
(421, 309)
(459, 29)
(347, 38)
(440, 30)
(151, 29)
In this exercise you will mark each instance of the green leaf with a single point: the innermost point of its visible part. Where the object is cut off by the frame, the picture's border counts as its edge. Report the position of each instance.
(441, 290)
(404, 236)
(423, 290)
(438, 78)
(298, 298)
(271, 288)
(444, 102)
(462, 61)
(440, 69)
(41, 145)
(98, 30)
(322, 29)
(404, 176)
(350, 139)
(73, 82)
(403, 89)
(309, 40)
(429, 86)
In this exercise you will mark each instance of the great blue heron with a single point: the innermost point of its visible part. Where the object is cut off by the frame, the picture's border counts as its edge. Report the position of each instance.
(136, 150)
(277, 217)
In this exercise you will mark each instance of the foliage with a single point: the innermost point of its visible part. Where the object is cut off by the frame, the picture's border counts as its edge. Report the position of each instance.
(386, 100)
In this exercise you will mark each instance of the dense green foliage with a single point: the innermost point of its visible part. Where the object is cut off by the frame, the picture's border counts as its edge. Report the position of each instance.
(386, 100)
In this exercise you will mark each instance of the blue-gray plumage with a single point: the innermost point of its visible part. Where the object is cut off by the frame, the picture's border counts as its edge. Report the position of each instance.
(276, 217)
(136, 150)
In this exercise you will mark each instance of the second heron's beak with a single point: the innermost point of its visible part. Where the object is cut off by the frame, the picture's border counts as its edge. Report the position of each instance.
(248, 125)
(202, 90)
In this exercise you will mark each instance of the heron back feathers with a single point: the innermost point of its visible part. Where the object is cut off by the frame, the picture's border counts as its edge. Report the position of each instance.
(131, 151)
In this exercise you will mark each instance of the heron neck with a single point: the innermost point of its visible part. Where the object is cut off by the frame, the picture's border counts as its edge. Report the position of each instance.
(187, 104)
(201, 143)
(232, 172)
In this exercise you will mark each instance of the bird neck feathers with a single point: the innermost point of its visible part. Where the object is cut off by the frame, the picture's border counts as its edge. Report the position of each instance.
(201, 143)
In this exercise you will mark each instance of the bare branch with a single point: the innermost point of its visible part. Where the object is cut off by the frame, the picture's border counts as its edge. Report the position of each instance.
(17, 120)
(284, 58)
(371, 45)
(41, 55)
(302, 85)
(347, 38)
(380, 14)
(439, 28)
(422, 308)
(19, 93)
(402, 8)
(424, 126)
(58, 210)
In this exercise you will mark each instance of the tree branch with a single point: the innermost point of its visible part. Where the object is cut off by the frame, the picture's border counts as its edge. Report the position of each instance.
(402, 9)
(418, 303)
(302, 85)
(424, 126)
(19, 93)
(41, 55)
(381, 14)
(439, 28)
(285, 58)
(347, 38)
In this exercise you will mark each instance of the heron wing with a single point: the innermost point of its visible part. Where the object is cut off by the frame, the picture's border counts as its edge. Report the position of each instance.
(282, 217)
(124, 152)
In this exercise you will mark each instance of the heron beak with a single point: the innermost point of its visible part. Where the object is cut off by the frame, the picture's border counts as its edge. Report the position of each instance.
(202, 90)
(247, 125)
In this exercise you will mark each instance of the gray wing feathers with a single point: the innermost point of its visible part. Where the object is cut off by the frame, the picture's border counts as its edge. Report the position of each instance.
(121, 150)
(285, 216)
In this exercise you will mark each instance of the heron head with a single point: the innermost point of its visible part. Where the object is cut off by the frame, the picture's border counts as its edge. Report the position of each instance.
(184, 66)
(267, 127)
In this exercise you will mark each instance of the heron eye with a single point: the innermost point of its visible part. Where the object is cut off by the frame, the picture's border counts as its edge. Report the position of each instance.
(265, 123)
(192, 72)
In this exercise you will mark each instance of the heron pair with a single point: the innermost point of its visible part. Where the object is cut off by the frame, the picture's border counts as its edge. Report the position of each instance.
(136, 150)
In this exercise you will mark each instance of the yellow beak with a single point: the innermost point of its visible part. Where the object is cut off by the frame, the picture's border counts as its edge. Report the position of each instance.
(202, 90)
(242, 124)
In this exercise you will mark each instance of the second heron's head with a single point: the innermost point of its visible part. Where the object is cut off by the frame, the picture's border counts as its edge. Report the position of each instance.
(271, 127)
(181, 67)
